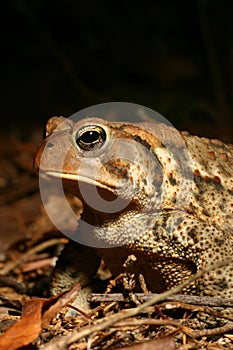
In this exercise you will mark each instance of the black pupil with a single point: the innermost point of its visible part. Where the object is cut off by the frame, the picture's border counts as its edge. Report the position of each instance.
(90, 137)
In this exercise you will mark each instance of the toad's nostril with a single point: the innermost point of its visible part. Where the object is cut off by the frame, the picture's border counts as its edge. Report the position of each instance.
(49, 145)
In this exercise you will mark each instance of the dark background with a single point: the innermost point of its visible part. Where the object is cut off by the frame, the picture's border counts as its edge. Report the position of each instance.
(173, 56)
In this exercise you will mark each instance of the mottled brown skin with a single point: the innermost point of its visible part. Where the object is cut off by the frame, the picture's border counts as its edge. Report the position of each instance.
(181, 208)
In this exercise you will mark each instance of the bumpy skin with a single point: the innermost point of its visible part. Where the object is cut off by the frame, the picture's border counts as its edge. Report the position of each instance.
(179, 190)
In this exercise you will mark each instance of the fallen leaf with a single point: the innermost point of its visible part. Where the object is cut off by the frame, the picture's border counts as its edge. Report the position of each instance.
(37, 314)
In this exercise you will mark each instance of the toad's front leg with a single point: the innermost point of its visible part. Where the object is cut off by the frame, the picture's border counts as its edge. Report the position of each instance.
(76, 264)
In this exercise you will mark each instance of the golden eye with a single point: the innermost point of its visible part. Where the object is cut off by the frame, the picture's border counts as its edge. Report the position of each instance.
(90, 137)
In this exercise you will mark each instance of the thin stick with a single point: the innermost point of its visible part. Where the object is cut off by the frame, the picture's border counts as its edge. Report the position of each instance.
(192, 299)
(38, 248)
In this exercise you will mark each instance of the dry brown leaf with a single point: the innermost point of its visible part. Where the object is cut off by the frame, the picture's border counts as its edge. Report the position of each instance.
(54, 305)
(37, 313)
(26, 330)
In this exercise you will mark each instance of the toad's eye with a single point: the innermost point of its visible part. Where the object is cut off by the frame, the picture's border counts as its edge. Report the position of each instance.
(90, 137)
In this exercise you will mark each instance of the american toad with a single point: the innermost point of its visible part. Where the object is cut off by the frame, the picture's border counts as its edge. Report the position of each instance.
(175, 209)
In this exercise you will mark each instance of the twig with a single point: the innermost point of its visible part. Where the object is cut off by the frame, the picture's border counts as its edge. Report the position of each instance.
(7, 281)
(149, 321)
(34, 265)
(44, 245)
(208, 332)
(192, 299)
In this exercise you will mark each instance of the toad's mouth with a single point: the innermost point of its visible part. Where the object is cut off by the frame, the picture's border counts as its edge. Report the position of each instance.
(78, 178)
(81, 186)
(99, 202)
